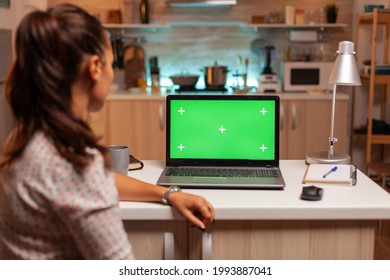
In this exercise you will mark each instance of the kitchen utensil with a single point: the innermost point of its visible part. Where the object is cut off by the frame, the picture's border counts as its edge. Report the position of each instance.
(185, 80)
(268, 51)
(246, 72)
(154, 74)
(269, 82)
(246, 65)
(134, 62)
(239, 64)
(153, 62)
(215, 75)
(117, 48)
(257, 46)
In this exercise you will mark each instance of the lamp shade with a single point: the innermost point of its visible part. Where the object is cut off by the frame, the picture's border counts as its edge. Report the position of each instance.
(344, 71)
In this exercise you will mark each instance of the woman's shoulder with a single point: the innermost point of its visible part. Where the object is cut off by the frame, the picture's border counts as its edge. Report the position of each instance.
(41, 162)
(42, 156)
(40, 147)
(40, 151)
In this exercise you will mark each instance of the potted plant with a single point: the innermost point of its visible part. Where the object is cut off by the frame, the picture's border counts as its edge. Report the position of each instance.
(331, 11)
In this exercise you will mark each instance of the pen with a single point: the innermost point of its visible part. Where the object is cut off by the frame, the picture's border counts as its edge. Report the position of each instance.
(329, 172)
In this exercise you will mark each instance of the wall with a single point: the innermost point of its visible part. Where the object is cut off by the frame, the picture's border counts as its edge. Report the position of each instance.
(5, 60)
(194, 48)
(9, 19)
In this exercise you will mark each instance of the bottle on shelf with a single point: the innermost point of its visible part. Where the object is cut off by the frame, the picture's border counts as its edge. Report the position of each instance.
(300, 16)
(289, 14)
(144, 11)
(154, 74)
(155, 77)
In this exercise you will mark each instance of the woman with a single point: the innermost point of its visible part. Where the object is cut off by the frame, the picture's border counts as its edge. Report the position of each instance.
(58, 198)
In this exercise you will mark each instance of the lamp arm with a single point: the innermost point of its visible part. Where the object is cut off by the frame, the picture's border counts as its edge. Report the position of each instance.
(332, 139)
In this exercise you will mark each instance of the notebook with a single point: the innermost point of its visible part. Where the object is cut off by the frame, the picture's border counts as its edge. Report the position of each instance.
(344, 174)
(222, 141)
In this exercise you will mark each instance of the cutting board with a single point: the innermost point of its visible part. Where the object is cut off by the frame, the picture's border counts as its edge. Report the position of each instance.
(134, 63)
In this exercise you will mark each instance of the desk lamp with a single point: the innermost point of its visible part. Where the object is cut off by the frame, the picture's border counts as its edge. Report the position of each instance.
(344, 72)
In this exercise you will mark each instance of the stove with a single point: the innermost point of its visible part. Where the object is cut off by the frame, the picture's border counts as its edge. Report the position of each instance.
(193, 89)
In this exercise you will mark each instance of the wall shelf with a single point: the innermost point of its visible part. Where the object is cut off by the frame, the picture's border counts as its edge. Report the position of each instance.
(136, 26)
(321, 26)
(206, 23)
(200, 3)
(256, 27)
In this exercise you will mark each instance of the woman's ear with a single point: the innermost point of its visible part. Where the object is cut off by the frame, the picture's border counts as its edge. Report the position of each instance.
(94, 68)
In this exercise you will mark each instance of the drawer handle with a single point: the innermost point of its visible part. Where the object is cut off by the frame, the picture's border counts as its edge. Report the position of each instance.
(281, 117)
(294, 116)
(207, 244)
(169, 246)
(161, 116)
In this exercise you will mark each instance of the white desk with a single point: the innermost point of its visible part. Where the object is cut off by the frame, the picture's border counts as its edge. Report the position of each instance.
(272, 224)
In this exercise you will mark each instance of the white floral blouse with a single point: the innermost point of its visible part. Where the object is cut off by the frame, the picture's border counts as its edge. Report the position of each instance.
(48, 211)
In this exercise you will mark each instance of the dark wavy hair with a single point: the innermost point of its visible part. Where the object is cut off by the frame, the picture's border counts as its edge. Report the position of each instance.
(50, 49)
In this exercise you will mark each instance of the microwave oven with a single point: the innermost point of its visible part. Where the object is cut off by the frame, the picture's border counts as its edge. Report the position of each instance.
(306, 76)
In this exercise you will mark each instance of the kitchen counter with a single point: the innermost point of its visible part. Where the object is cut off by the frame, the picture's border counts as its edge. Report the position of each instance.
(366, 200)
(123, 95)
(262, 224)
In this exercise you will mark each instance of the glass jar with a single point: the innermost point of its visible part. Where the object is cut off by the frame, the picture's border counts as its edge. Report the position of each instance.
(311, 17)
(299, 16)
(289, 11)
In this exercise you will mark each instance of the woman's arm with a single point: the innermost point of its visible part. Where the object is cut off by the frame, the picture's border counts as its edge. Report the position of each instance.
(194, 208)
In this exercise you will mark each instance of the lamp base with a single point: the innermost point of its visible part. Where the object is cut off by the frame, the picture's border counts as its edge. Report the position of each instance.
(323, 157)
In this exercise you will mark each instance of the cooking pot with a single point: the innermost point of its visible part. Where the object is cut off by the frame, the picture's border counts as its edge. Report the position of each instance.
(215, 75)
(185, 80)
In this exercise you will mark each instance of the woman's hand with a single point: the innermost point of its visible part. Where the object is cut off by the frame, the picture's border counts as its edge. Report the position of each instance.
(194, 208)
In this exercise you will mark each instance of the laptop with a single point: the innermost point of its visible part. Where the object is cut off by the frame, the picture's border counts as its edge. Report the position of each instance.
(222, 141)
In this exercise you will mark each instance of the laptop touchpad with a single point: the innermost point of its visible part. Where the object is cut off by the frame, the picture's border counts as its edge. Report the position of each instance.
(209, 179)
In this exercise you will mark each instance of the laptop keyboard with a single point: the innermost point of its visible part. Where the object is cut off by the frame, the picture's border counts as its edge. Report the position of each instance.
(220, 172)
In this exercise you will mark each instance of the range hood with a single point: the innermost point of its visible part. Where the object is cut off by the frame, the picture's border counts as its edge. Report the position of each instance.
(200, 3)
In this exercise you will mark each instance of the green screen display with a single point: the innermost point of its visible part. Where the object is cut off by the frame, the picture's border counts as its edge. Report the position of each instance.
(222, 129)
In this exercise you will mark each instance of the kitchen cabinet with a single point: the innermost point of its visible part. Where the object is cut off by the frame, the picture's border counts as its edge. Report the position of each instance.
(284, 240)
(137, 123)
(158, 240)
(250, 240)
(305, 127)
(304, 124)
